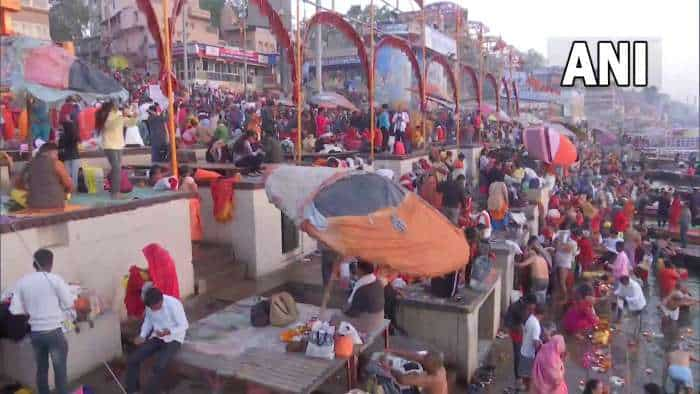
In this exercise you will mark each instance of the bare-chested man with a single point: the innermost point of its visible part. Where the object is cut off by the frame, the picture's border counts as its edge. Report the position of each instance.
(670, 306)
(679, 367)
(539, 272)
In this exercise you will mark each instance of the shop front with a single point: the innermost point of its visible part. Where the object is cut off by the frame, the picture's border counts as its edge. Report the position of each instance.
(219, 66)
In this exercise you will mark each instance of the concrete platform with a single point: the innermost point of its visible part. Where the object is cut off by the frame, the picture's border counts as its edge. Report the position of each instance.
(461, 327)
(87, 351)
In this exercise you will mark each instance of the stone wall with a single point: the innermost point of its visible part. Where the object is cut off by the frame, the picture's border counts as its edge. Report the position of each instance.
(98, 251)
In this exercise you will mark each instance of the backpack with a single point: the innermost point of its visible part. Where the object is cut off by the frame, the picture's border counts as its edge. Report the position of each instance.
(260, 314)
(283, 309)
(534, 183)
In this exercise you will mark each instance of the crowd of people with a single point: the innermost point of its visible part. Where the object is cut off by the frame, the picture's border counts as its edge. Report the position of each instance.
(593, 250)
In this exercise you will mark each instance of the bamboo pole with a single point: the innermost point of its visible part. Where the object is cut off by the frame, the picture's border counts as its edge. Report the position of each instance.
(298, 82)
(169, 83)
(370, 78)
(423, 99)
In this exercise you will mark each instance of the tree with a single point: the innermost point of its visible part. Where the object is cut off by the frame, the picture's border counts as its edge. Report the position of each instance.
(533, 60)
(69, 20)
(214, 7)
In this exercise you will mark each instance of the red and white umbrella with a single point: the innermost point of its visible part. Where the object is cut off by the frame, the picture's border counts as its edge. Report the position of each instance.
(550, 146)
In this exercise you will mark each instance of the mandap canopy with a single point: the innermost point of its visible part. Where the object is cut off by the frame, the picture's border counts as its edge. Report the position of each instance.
(50, 73)
(548, 145)
(368, 216)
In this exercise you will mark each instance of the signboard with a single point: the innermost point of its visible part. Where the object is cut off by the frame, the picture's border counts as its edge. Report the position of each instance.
(335, 61)
(394, 28)
(235, 54)
(439, 42)
(211, 51)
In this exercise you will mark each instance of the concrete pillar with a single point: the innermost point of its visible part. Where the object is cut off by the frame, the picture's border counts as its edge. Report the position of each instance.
(505, 262)
(471, 159)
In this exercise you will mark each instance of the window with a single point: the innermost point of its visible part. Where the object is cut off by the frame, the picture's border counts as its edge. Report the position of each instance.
(205, 65)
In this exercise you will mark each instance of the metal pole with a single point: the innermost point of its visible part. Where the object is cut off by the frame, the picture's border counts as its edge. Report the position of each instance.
(297, 86)
(424, 106)
(458, 31)
(185, 62)
(319, 53)
(244, 27)
(370, 77)
(169, 82)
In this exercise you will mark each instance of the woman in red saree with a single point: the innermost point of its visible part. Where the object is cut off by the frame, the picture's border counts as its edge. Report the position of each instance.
(580, 316)
(548, 370)
(674, 215)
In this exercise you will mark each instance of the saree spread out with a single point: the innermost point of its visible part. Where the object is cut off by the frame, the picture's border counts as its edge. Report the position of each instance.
(50, 73)
(549, 145)
(368, 216)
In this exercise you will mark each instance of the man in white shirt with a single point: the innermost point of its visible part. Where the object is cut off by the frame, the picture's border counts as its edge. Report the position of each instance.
(44, 297)
(566, 251)
(531, 343)
(630, 293)
(162, 334)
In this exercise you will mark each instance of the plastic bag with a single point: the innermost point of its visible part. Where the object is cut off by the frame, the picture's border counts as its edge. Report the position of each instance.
(321, 341)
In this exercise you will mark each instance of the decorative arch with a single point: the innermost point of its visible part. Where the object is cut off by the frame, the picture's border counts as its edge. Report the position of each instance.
(517, 98)
(442, 60)
(281, 34)
(490, 78)
(475, 81)
(336, 20)
(403, 46)
(504, 83)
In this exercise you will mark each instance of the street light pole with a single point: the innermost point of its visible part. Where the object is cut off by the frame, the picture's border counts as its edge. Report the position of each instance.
(319, 53)
(184, 50)
(371, 79)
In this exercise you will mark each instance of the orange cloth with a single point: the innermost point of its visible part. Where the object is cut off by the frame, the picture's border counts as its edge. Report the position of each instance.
(500, 213)
(8, 131)
(222, 193)
(86, 123)
(201, 175)
(195, 220)
(23, 125)
(429, 244)
(674, 215)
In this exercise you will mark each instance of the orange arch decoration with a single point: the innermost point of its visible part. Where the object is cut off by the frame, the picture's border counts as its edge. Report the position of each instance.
(504, 83)
(492, 79)
(281, 34)
(403, 46)
(336, 20)
(442, 60)
(517, 98)
(475, 81)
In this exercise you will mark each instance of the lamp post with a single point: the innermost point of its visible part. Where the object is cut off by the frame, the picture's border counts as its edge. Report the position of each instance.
(169, 85)
(371, 79)
(241, 7)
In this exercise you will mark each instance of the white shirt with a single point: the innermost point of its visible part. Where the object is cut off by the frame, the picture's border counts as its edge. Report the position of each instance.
(170, 316)
(37, 295)
(531, 333)
(143, 111)
(632, 293)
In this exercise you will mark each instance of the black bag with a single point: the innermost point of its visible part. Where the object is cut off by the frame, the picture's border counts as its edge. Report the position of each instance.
(260, 314)
(444, 286)
(13, 327)
(534, 183)
(82, 186)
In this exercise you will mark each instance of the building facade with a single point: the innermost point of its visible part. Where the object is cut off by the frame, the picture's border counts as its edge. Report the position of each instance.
(33, 19)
